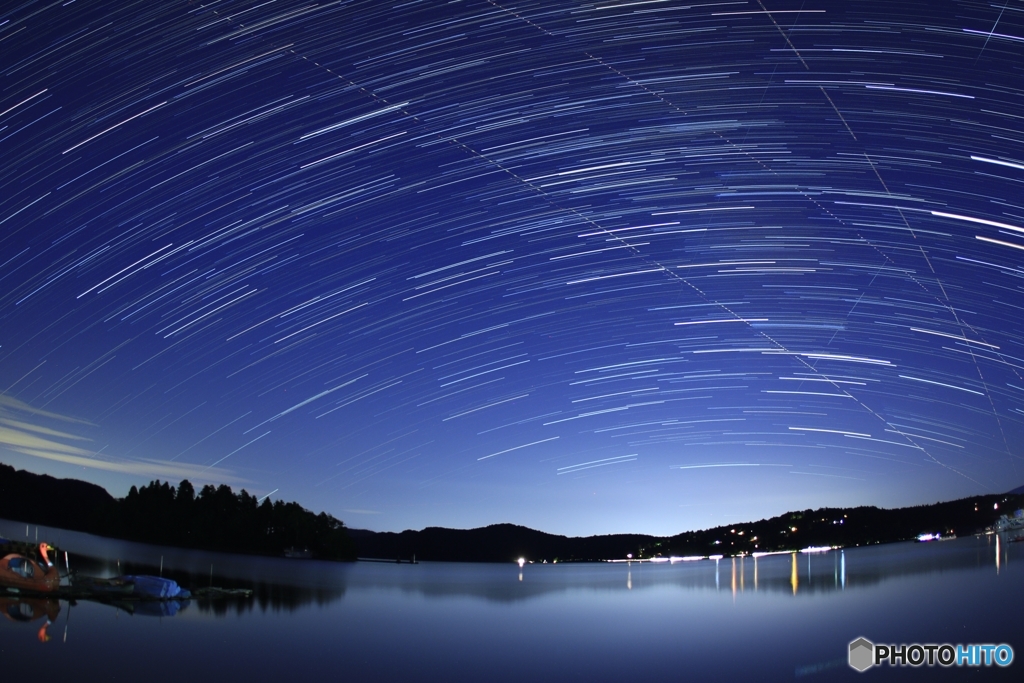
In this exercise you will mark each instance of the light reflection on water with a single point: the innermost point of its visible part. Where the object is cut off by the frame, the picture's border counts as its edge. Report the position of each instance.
(776, 617)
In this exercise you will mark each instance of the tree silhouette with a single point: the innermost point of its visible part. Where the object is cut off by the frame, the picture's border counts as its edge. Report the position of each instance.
(219, 519)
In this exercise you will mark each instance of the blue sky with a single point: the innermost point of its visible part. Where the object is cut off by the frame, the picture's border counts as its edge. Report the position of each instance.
(586, 267)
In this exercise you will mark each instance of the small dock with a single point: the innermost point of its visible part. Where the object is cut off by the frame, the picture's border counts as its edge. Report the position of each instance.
(395, 561)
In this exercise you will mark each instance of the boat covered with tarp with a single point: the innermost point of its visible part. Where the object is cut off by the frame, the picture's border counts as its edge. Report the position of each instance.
(139, 586)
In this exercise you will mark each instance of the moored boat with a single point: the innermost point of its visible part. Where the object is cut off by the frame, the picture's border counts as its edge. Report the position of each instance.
(22, 572)
(98, 587)
(132, 586)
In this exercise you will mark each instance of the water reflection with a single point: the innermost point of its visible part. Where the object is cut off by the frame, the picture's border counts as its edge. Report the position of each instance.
(151, 608)
(794, 579)
(472, 622)
(29, 610)
(288, 585)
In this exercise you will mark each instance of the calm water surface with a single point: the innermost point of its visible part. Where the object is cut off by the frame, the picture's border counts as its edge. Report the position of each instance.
(782, 617)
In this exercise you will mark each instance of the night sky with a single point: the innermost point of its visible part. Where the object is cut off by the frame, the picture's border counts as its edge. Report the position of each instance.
(587, 267)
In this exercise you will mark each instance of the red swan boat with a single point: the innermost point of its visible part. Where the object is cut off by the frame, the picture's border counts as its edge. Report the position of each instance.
(34, 574)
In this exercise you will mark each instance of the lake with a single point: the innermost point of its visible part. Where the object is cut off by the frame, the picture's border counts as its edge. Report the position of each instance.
(779, 617)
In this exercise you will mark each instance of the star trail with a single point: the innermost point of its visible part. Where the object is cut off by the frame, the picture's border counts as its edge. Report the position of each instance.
(589, 267)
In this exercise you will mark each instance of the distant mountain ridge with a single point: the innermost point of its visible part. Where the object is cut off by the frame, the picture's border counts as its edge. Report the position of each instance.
(77, 505)
(841, 527)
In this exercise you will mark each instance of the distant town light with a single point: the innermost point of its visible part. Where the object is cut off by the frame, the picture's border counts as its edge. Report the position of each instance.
(522, 561)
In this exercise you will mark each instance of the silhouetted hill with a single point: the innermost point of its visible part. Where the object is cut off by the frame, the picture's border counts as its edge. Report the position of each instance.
(792, 531)
(42, 499)
(495, 543)
(866, 525)
(1017, 491)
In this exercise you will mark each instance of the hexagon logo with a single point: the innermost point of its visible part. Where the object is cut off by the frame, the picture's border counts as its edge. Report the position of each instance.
(862, 654)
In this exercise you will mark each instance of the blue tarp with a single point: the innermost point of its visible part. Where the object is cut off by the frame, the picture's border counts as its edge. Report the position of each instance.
(156, 587)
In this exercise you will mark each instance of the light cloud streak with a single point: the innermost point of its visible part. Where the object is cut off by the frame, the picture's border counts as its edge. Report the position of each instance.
(38, 441)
